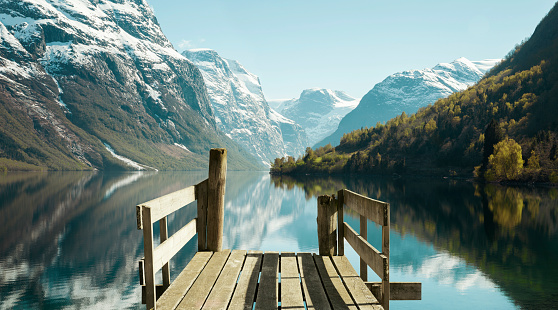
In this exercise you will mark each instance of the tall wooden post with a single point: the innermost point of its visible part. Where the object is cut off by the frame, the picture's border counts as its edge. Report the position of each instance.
(327, 222)
(216, 198)
(364, 235)
(340, 225)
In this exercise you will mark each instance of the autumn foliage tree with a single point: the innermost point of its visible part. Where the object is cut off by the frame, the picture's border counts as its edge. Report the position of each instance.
(506, 163)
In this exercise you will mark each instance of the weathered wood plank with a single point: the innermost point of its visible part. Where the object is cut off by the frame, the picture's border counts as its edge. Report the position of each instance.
(223, 289)
(314, 293)
(166, 250)
(195, 298)
(165, 205)
(354, 284)
(216, 198)
(267, 290)
(398, 290)
(327, 225)
(386, 285)
(174, 294)
(340, 226)
(335, 290)
(201, 198)
(245, 292)
(163, 236)
(364, 234)
(149, 269)
(372, 209)
(367, 252)
(291, 290)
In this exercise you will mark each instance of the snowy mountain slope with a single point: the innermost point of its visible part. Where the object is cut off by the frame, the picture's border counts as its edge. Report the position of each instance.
(407, 91)
(115, 76)
(241, 110)
(318, 111)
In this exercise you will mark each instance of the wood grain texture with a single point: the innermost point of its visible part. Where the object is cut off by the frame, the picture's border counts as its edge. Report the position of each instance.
(165, 205)
(291, 289)
(223, 289)
(267, 291)
(327, 225)
(180, 286)
(166, 250)
(340, 225)
(149, 269)
(364, 234)
(398, 290)
(354, 284)
(334, 288)
(216, 198)
(196, 296)
(370, 208)
(245, 293)
(201, 198)
(366, 251)
(163, 236)
(311, 283)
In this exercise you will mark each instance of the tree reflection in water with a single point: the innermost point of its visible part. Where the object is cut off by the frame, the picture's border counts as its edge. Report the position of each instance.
(509, 233)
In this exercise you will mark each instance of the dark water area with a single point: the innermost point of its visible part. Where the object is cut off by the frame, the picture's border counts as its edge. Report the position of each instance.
(68, 240)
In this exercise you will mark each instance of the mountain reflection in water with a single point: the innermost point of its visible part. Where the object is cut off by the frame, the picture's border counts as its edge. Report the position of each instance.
(69, 239)
(509, 234)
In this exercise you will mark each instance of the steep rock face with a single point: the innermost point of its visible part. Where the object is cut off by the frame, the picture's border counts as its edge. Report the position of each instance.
(113, 74)
(318, 111)
(408, 91)
(241, 110)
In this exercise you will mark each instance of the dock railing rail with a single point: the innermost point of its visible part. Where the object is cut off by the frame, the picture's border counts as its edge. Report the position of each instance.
(208, 224)
(333, 230)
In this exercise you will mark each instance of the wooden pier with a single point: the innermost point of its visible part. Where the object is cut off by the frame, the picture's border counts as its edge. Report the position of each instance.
(240, 279)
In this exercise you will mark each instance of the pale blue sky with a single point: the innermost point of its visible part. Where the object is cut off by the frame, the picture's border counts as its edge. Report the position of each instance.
(346, 45)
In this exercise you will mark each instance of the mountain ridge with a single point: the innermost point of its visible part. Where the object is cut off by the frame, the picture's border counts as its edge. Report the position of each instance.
(241, 110)
(106, 72)
(408, 91)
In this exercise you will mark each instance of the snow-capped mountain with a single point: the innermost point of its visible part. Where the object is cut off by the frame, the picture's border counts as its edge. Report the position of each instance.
(408, 91)
(317, 110)
(82, 74)
(241, 110)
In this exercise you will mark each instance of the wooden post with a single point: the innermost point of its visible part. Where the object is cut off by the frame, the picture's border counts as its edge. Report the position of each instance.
(150, 297)
(364, 235)
(201, 229)
(340, 226)
(164, 235)
(216, 198)
(385, 250)
(327, 219)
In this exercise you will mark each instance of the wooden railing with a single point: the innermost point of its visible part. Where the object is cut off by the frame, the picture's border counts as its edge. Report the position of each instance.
(208, 225)
(333, 230)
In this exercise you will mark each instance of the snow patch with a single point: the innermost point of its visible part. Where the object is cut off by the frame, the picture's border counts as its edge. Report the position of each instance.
(128, 161)
(183, 147)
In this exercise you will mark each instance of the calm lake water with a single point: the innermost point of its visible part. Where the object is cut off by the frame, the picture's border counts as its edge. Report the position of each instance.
(69, 239)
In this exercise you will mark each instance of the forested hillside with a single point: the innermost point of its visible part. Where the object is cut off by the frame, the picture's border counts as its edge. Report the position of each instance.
(520, 96)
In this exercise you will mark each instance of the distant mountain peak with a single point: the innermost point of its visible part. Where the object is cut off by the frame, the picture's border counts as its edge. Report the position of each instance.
(317, 110)
(242, 111)
(408, 91)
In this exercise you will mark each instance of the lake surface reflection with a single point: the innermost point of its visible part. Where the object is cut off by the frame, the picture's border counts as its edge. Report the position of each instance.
(69, 239)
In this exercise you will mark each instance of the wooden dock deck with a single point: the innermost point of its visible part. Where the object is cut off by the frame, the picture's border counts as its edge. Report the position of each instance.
(240, 279)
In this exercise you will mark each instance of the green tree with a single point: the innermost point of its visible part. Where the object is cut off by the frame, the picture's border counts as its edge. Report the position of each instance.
(506, 163)
(492, 135)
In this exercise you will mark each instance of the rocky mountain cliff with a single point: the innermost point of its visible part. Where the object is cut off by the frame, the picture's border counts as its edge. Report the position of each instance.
(317, 110)
(408, 91)
(241, 110)
(83, 81)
